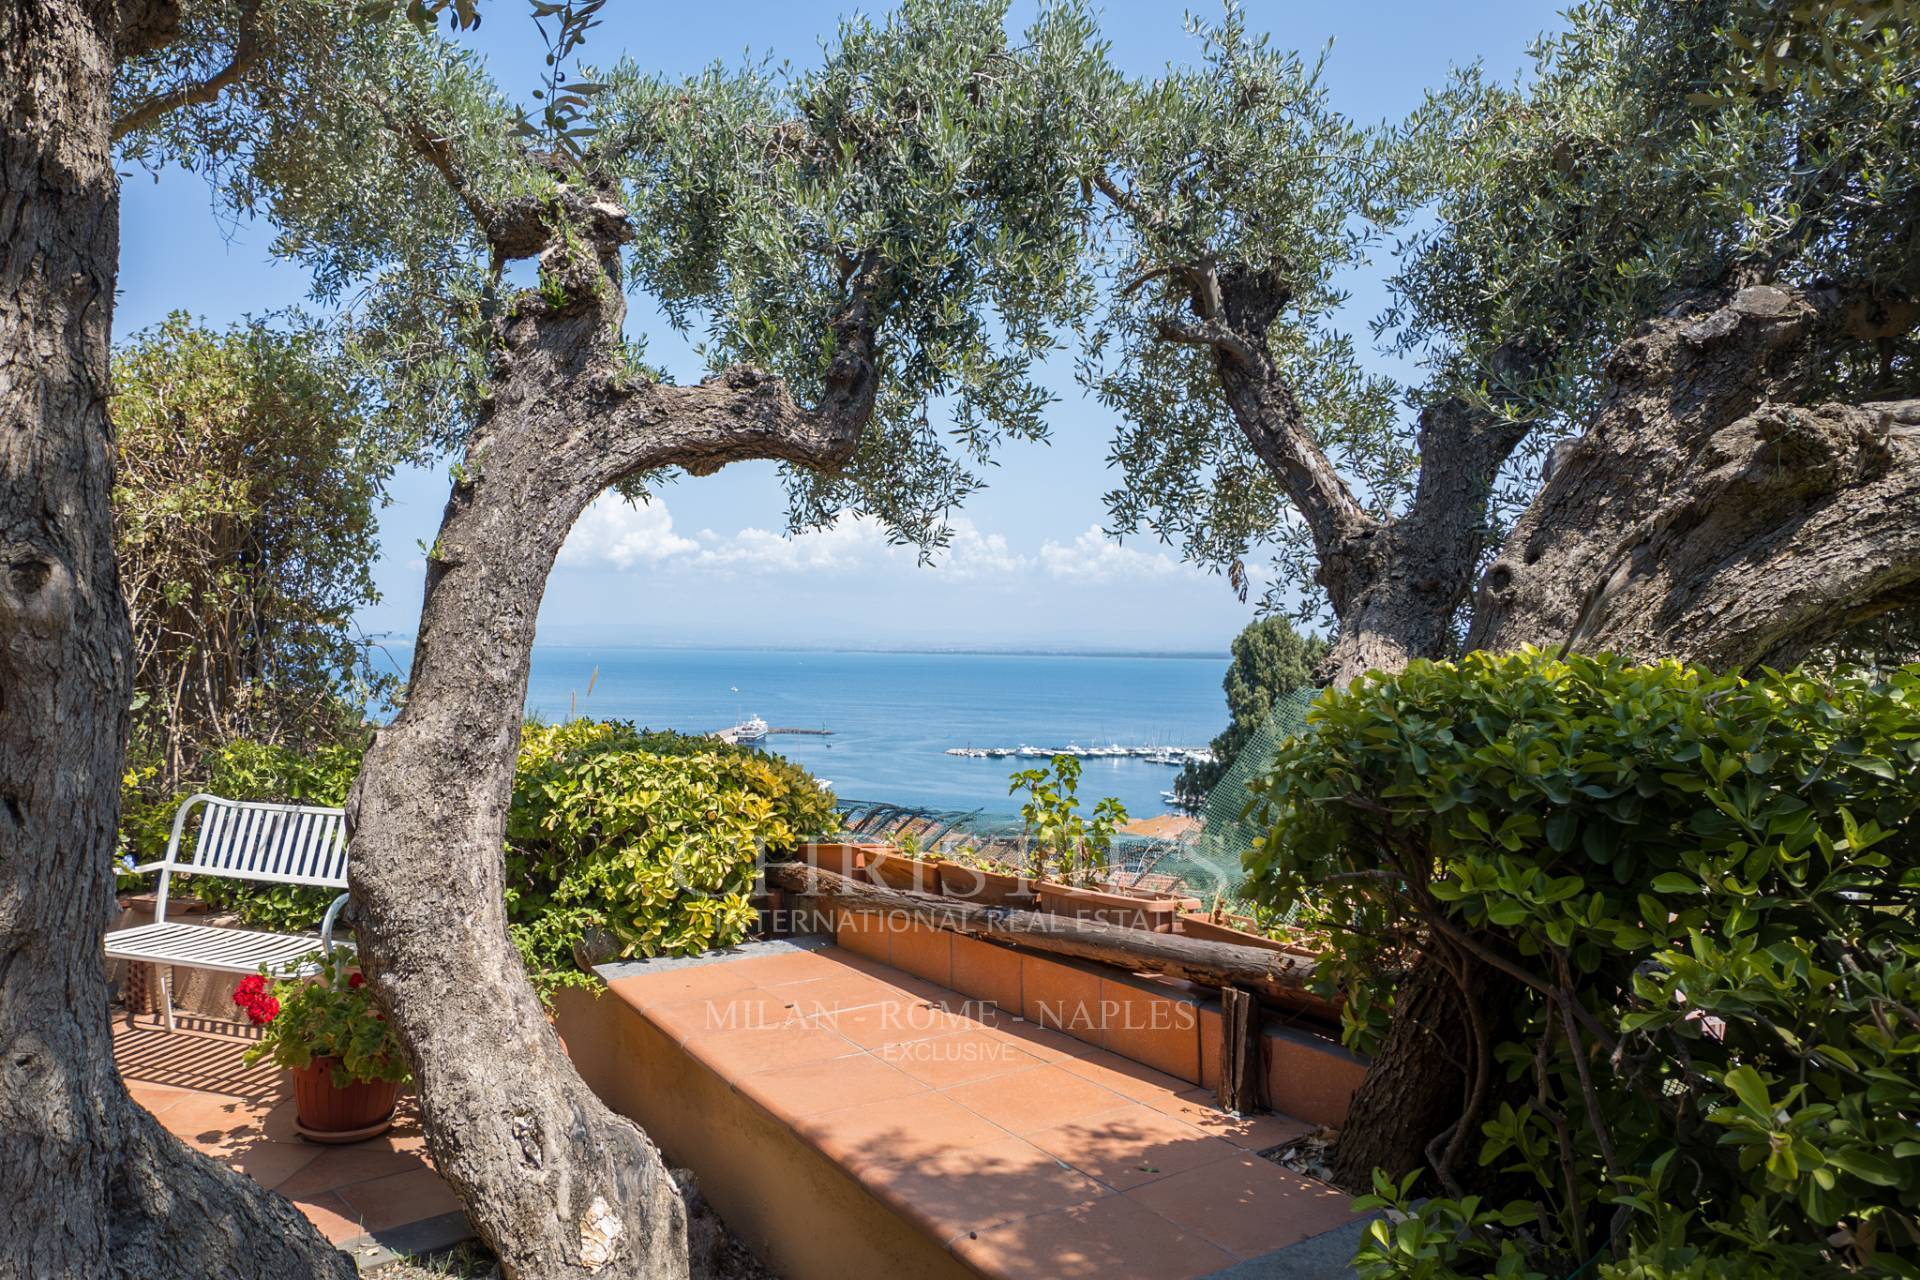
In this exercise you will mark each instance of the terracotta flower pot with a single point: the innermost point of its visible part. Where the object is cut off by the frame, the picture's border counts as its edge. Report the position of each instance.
(898, 871)
(1111, 905)
(1235, 929)
(985, 887)
(323, 1113)
(849, 860)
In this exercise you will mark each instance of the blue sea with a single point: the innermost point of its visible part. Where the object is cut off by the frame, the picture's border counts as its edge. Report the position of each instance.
(893, 715)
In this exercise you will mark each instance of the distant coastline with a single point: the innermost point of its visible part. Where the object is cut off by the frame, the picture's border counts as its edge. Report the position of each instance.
(968, 651)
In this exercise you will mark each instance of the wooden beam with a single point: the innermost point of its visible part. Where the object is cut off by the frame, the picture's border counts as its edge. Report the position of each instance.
(1243, 1076)
(1274, 975)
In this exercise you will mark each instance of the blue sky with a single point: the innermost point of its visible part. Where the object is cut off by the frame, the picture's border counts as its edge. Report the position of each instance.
(706, 562)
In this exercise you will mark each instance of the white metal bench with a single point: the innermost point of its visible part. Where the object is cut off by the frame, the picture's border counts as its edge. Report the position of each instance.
(242, 840)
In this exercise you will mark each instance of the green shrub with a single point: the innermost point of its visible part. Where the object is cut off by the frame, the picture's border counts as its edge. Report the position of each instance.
(651, 837)
(648, 837)
(1705, 888)
(250, 467)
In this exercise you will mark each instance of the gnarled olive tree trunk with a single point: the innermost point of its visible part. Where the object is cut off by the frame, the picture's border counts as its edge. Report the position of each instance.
(90, 1184)
(1395, 584)
(1704, 515)
(557, 1184)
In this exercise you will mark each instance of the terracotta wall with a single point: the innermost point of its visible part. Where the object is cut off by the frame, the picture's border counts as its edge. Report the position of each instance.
(791, 1205)
(1161, 1023)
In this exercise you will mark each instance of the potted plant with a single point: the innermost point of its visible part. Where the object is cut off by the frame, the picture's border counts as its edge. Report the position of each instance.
(901, 865)
(1059, 840)
(987, 882)
(346, 1060)
(1071, 851)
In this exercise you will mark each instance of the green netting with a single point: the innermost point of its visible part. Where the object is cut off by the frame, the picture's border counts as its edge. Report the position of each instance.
(1206, 863)
(1210, 863)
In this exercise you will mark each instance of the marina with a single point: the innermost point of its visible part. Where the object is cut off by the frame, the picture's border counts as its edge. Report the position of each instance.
(1171, 756)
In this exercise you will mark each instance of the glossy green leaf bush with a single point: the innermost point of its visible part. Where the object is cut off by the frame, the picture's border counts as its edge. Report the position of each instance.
(653, 838)
(1704, 890)
(648, 837)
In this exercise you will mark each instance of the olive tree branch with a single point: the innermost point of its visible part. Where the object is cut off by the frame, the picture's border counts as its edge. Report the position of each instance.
(744, 413)
(1208, 333)
(1568, 1001)
(247, 48)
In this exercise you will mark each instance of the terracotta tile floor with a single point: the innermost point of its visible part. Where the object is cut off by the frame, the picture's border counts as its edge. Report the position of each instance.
(194, 1082)
(1029, 1153)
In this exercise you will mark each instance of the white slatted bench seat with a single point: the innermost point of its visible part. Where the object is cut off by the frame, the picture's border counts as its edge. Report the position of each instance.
(242, 840)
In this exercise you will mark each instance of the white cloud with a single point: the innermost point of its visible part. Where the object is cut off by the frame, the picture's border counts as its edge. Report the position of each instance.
(617, 534)
(973, 554)
(1094, 557)
(850, 543)
(614, 534)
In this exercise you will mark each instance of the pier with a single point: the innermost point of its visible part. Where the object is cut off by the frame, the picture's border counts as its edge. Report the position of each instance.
(756, 729)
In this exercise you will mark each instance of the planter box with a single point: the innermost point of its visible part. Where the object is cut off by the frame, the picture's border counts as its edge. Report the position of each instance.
(986, 888)
(1111, 905)
(849, 860)
(1235, 929)
(898, 871)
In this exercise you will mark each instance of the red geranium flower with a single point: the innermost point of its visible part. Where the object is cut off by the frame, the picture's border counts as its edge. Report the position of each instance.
(251, 995)
(356, 979)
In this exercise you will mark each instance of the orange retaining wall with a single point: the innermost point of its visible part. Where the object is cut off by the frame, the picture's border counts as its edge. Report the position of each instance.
(1168, 1025)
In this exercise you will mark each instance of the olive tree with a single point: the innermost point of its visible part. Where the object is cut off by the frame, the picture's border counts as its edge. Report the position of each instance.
(887, 239)
(1664, 295)
(95, 1185)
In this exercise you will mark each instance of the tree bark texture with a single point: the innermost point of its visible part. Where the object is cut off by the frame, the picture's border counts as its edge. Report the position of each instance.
(1414, 1088)
(556, 1183)
(1396, 583)
(1704, 515)
(90, 1184)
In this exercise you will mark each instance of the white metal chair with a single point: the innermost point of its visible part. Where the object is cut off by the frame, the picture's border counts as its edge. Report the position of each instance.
(243, 840)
